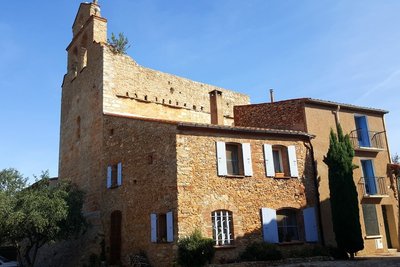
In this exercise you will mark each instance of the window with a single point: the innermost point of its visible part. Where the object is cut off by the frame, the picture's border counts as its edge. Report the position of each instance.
(370, 219)
(162, 228)
(234, 159)
(282, 225)
(222, 227)
(114, 175)
(277, 157)
(287, 225)
(280, 161)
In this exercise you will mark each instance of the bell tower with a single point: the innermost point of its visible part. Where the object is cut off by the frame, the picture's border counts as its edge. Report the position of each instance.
(88, 27)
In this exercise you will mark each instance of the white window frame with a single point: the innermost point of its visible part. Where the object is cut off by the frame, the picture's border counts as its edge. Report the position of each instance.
(222, 221)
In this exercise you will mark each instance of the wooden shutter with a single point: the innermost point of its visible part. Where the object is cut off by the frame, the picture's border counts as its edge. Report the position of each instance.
(170, 227)
(310, 224)
(221, 159)
(119, 174)
(246, 151)
(153, 218)
(294, 172)
(109, 173)
(269, 160)
(269, 225)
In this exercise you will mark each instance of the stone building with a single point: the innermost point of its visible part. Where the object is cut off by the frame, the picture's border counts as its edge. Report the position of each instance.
(377, 189)
(159, 156)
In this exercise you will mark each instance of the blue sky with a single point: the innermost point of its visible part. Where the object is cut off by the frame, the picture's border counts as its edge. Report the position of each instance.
(344, 51)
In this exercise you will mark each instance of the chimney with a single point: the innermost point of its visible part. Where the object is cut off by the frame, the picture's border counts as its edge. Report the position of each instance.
(271, 95)
(217, 114)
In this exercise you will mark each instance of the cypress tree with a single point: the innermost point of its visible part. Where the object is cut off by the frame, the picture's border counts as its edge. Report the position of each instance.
(343, 193)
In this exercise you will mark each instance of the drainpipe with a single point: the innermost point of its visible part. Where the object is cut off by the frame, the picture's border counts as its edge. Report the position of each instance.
(316, 185)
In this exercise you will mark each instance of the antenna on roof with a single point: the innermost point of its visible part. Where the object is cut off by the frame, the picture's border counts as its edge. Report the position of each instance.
(271, 95)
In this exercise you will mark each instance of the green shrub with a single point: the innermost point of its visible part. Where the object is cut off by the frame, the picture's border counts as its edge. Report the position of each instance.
(260, 251)
(195, 250)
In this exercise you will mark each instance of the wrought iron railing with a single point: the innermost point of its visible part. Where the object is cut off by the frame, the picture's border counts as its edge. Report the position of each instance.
(371, 139)
(373, 186)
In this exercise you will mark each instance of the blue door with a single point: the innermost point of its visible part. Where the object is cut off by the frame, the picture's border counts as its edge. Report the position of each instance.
(369, 177)
(362, 131)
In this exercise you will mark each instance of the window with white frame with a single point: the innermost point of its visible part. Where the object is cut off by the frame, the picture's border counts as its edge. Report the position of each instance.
(114, 175)
(234, 159)
(280, 161)
(222, 222)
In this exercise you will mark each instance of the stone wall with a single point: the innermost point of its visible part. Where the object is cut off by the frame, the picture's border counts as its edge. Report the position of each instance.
(132, 89)
(288, 114)
(147, 151)
(201, 190)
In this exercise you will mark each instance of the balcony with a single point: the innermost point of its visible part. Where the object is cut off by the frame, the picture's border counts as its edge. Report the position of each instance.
(367, 140)
(373, 187)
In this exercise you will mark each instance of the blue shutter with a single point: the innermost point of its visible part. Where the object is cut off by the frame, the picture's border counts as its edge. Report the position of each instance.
(221, 159)
(362, 131)
(369, 177)
(294, 171)
(119, 174)
(270, 225)
(153, 218)
(269, 160)
(170, 227)
(109, 170)
(310, 224)
(246, 151)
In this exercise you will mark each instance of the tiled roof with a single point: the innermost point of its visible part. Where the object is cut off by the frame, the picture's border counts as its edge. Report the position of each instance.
(349, 106)
(243, 129)
(203, 126)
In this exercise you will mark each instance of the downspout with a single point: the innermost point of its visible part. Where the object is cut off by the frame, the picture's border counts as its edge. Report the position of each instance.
(387, 143)
(316, 185)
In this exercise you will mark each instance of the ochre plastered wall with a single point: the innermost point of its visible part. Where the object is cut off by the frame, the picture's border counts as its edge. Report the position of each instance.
(319, 122)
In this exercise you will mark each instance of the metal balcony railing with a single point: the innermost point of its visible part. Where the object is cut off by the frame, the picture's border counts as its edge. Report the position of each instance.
(373, 186)
(367, 139)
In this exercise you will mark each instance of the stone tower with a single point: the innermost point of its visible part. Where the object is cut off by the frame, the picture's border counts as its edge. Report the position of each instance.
(81, 109)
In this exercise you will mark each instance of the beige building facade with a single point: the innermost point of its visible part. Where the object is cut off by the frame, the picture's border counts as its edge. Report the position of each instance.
(377, 190)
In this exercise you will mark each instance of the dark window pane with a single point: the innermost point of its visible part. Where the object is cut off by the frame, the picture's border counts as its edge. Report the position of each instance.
(162, 228)
(277, 161)
(232, 159)
(370, 219)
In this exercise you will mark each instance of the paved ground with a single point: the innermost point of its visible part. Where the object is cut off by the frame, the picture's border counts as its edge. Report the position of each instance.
(375, 261)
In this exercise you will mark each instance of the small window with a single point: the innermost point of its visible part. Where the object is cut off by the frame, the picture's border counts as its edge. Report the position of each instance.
(280, 161)
(234, 160)
(277, 160)
(114, 175)
(287, 225)
(370, 219)
(162, 227)
(222, 223)
(78, 128)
